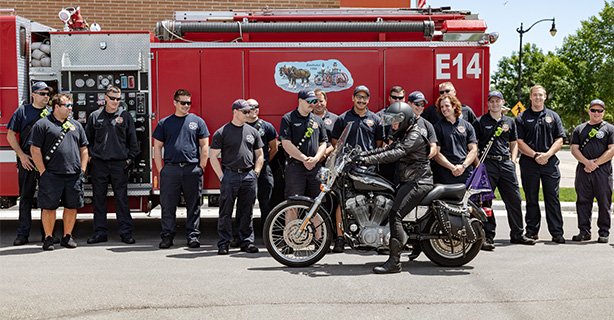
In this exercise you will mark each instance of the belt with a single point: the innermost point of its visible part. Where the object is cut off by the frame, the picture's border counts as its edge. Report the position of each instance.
(239, 170)
(498, 158)
(181, 164)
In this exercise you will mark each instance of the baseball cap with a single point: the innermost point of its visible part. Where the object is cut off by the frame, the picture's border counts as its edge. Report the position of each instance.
(307, 94)
(40, 86)
(362, 88)
(495, 93)
(240, 104)
(416, 96)
(597, 102)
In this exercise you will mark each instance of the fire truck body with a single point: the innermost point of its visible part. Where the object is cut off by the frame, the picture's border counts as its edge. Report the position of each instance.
(270, 56)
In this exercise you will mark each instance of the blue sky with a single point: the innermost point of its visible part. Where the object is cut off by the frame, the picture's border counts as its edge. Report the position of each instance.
(505, 16)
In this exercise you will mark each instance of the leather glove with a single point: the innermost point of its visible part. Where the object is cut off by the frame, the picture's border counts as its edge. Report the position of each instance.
(358, 160)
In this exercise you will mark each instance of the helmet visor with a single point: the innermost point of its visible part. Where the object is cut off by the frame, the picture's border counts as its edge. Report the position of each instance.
(390, 118)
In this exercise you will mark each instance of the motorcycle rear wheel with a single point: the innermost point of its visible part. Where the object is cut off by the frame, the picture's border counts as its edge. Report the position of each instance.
(440, 250)
(290, 249)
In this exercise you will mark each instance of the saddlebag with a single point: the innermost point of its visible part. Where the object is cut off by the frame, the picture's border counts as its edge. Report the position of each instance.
(456, 223)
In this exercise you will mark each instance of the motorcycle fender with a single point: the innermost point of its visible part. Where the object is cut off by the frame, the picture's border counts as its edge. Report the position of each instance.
(477, 212)
(311, 201)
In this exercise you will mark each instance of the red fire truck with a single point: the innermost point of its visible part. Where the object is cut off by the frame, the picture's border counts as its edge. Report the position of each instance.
(268, 55)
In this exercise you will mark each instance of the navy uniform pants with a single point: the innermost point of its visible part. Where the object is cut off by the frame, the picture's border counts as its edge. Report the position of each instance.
(444, 176)
(265, 190)
(502, 175)
(597, 184)
(243, 188)
(176, 179)
(549, 175)
(300, 181)
(112, 171)
(27, 187)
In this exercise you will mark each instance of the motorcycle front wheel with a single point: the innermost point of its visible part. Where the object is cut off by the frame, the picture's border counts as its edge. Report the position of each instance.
(445, 253)
(290, 247)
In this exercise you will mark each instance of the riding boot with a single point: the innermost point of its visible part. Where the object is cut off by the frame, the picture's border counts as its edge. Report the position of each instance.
(393, 264)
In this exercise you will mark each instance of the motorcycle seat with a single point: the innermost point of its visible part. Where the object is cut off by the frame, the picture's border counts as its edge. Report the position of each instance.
(444, 192)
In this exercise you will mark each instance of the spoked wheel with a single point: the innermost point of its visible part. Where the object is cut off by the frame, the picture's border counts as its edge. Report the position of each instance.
(445, 253)
(292, 247)
(341, 79)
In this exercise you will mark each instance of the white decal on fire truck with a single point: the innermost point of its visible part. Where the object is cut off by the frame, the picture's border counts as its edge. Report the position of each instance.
(443, 68)
(330, 75)
(8, 156)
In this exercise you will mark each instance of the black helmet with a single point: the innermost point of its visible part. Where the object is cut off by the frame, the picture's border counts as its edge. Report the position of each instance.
(402, 113)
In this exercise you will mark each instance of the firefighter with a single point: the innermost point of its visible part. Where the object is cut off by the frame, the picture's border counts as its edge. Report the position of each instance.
(112, 149)
(367, 132)
(303, 137)
(433, 116)
(456, 143)
(592, 143)
(268, 134)
(500, 165)
(242, 158)
(185, 139)
(540, 137)
(417, 101)
(21, 123)
(59, 151)
(320, 110)
(388, 170)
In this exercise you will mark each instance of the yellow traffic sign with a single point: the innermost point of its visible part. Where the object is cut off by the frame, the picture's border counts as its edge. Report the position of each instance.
(518, 108)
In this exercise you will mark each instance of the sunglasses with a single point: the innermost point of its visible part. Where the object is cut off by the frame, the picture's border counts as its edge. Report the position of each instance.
(245, 111)
(361, 97)
(420, 104)
(312, 101)
(445, 91)
(597, 110)
(114, 98)
(43, 93)
(254, 106)
(68, 105)
(184, 103)
(397, 97)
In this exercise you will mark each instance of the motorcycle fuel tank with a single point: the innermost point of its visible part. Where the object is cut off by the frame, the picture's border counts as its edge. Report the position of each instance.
(369, 181)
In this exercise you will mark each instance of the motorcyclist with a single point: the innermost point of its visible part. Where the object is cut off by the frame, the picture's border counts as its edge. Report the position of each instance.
(411, 148)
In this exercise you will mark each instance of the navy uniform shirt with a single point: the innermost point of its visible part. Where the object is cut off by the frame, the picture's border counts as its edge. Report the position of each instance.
(21, 119)
(597, 145)
(237, 145)
(293, 127)
(180, 136)
(453, 138)
(366, 130)
(329, 120)
(267, 133)
(111, 135)
(539, 129)
(485, 129)
(431, 115)
(66, 159)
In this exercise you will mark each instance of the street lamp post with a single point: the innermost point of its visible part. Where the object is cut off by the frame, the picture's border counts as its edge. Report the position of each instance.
(521, 32)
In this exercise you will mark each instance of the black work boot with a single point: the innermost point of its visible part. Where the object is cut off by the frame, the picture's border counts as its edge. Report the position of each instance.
(393, 264)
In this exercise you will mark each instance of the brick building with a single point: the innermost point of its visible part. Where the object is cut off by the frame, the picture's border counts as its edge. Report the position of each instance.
(143, 14)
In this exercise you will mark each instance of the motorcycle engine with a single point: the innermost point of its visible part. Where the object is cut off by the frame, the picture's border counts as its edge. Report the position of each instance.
(367, 213)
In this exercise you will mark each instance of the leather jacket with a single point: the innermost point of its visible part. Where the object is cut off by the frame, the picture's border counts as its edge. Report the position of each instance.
(411, 151)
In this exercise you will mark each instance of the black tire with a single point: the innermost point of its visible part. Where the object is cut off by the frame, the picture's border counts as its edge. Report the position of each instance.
(439, 250)
(285, 246)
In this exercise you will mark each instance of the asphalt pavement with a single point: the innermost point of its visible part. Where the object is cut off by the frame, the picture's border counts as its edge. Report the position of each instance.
(113, 280)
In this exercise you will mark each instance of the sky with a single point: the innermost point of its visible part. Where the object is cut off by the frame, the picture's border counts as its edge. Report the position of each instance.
(505, 16)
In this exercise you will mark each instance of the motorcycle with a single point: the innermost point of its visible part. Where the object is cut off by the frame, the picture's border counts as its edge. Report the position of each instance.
(447, 226)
